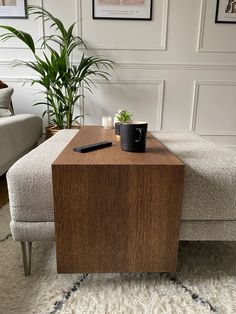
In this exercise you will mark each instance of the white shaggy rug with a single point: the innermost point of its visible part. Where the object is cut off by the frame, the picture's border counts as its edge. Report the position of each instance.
(205, 283)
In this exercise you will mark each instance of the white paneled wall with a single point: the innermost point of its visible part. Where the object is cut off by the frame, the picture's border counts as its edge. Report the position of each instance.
(214, 37)
(214, 100)
(125, 35)
(177, 71)
(143, 98)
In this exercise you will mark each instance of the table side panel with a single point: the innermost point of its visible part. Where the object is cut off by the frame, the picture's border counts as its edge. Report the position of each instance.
(117, 218)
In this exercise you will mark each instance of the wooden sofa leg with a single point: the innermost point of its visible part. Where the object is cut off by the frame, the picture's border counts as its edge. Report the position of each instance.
(26, 248)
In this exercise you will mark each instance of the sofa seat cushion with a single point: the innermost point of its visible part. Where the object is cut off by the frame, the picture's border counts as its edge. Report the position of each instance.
(209, 190)
(30, 180)
(210, 176)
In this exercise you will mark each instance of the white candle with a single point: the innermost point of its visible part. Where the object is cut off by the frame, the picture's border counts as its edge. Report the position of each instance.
(115, 117)
(107, 122)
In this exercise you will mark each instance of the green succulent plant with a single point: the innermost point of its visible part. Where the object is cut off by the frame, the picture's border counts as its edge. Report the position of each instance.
(124, 116)
(60, 78)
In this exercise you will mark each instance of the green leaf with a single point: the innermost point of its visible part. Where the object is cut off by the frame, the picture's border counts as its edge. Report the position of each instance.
(14, 33)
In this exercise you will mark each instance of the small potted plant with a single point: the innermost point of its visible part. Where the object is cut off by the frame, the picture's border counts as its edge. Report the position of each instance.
(121, 116)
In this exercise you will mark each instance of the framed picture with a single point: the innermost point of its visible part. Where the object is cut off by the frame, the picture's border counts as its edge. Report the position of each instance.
(13, 9)
(122, 9)
(225, 11)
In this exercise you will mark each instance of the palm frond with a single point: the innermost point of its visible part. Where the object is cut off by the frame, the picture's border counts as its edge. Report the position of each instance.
(15, 33)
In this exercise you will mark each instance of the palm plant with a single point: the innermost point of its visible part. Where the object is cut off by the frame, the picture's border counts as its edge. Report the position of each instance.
(60, 79)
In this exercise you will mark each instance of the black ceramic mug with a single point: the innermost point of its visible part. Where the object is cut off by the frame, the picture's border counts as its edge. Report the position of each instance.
(133, 136)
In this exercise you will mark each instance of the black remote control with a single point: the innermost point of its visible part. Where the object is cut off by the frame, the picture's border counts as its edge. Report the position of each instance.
(91, 147)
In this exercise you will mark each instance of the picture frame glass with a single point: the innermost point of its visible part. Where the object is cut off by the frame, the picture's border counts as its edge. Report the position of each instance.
(13, 9)
(226, 11)
(122, 9)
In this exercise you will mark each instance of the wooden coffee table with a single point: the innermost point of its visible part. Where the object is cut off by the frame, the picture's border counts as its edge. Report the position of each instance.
(116, 211)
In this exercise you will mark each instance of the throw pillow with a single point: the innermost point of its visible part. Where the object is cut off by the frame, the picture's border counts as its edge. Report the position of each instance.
(4, 85)
(5, 101)
(5, 112)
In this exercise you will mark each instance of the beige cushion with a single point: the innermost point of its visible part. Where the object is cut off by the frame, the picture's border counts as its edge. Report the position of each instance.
(30, 180)
(5, 102)
(5, 112)
(18, 134)
(210, 176)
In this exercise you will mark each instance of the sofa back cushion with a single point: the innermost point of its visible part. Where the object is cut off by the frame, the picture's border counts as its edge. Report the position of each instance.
(5, 102)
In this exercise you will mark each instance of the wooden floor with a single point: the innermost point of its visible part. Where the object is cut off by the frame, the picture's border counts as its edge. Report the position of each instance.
(3, 191)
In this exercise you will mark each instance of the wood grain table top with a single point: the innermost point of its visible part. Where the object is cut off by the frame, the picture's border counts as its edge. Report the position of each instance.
(156, 153)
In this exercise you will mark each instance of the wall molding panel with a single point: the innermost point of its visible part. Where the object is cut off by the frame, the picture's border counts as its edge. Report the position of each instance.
(178, 66)
(160, 84)
(155, 66)
(161, 46)
(164, 33)
(17, 79)
(173, 66)
(201, 25)
(195, 106)
(201, 32)
(15, 44)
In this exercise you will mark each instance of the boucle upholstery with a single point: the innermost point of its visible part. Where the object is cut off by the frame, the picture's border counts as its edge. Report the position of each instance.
(18, 135)
(30, 180)
(208, 230)
(208, 202)
(210, 176)
(32, 231)
(189, 231)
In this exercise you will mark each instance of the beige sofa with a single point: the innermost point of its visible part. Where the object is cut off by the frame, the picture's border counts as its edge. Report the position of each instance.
(209, 202)
(18, 135)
